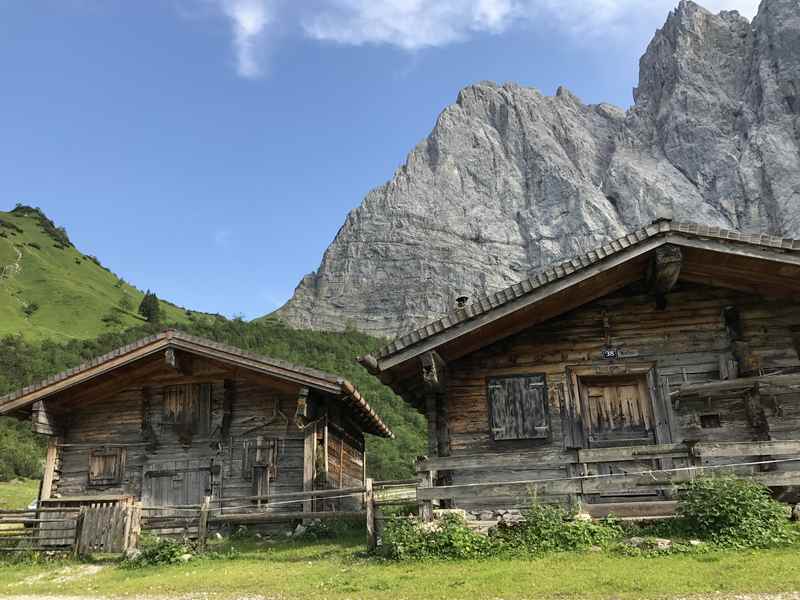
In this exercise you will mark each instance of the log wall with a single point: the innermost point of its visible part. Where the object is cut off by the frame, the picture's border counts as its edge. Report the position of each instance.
(690, 341)
(248, 444)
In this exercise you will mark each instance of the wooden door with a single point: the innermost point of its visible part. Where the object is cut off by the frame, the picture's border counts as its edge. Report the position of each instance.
(618, 410)
(176, 483)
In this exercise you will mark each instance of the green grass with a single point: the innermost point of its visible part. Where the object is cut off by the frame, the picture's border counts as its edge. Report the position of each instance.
(18, 493)
(72, 291)
(339, 569)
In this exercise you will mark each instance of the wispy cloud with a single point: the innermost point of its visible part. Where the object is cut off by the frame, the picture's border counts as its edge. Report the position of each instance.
(415, 24)
(249, 21)
(408, 24)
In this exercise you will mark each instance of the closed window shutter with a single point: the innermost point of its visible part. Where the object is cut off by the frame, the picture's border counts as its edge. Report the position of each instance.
(518, 407)
(188, 406)
(106, 466)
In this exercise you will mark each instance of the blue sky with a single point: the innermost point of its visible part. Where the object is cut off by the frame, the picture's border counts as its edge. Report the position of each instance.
(210, 149)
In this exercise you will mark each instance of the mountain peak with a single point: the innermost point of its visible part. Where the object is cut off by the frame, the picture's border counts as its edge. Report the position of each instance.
(510, 180)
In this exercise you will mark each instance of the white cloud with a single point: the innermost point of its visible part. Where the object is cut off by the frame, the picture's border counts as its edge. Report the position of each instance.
(417, 24)
(414, 24)
(249, 20)
(408, 24)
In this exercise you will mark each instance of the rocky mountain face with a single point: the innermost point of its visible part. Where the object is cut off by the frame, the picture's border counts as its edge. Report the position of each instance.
(510, 180)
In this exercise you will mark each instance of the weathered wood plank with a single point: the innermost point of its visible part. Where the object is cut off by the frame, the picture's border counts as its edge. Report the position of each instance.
(542, 459)
(277, 517)
(623, 453)
(737, 449)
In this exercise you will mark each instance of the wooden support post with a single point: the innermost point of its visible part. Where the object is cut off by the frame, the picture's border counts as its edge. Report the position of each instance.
(258, 471)
(309, 460)
(76, 545)
(49, 469)
(433, 421)
(369, 507)
(202, 527)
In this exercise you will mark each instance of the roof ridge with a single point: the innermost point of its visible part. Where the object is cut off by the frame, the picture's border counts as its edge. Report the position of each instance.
(484, 303)
(171, 336)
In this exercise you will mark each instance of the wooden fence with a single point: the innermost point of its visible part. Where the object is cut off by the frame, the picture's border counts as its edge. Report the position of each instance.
(84, 525)
(759, 461)
(70, 526)
(37, 530)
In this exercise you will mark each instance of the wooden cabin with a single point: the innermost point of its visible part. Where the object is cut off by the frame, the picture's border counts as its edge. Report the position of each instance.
(172, 419)
(615, 376)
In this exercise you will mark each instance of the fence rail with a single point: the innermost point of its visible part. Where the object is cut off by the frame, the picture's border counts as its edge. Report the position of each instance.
(660, 477)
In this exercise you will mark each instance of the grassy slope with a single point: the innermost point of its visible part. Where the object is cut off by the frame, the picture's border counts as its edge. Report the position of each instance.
(337, 569)
(18, 493)
(72, 291)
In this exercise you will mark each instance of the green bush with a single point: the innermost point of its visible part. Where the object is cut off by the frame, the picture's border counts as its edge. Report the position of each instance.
(154, 551)
(448, 538)
(333, 529)
(20, 451)
(734, 512)
(544, 529)
(548, 528)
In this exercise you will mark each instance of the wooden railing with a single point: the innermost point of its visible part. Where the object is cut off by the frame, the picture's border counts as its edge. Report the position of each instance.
(578, 482)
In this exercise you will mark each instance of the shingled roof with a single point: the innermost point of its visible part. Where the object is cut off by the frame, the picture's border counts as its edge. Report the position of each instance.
(672, 232)
(148, 346)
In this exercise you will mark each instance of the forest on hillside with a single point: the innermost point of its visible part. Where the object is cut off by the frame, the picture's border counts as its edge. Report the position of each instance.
(23, 362)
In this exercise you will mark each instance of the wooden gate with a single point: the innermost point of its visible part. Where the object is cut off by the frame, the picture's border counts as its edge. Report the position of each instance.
(109, 528)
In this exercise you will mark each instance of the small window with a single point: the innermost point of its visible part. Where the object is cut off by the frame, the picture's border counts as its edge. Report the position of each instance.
(188, 407)
(106, 466)
(710, 421)
(518, 407)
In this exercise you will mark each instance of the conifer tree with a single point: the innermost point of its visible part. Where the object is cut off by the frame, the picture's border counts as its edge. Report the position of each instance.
(150, 308)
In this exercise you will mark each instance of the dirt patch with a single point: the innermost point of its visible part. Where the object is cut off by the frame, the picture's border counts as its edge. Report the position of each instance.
(65, 575)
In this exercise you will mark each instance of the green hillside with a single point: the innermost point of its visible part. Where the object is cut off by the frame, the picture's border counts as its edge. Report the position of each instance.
(50, 290)
(59, 307)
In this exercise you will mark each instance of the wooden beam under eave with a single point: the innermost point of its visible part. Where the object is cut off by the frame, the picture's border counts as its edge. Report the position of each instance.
(434, 371)
(663, 271)
(42, 419)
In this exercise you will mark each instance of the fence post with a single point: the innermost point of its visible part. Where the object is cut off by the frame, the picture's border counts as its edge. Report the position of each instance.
(427, 479)
(369, 506)
(76, 550)
(202, 527)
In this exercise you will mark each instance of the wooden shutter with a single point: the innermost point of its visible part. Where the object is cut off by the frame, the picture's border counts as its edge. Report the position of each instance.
(106, 466)
(188, 406)
(518, 407)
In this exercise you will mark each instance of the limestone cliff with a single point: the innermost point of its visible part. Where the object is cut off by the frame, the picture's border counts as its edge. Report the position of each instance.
(510, 180)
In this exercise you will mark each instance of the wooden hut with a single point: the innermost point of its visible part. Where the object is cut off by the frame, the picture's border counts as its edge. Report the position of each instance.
(172, 419)
(613, 377)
